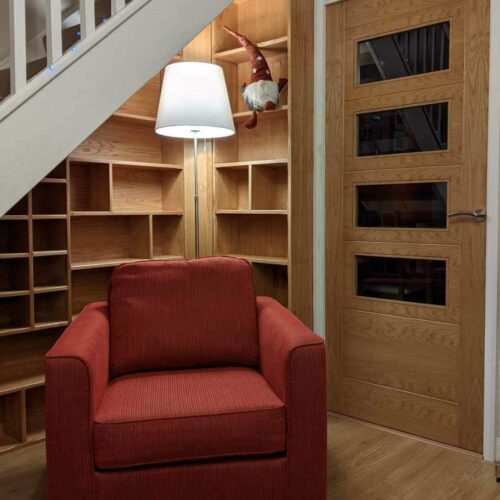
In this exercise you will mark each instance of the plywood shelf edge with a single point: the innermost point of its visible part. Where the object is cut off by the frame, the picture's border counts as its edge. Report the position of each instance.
(270, 48)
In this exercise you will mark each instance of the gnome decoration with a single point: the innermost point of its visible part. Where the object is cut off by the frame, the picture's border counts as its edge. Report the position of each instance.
(261, 94)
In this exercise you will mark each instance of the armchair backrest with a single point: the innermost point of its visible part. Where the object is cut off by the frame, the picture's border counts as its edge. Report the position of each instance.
(182, 314)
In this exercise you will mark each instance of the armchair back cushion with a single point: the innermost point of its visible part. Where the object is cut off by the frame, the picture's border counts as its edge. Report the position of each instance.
(182, 314)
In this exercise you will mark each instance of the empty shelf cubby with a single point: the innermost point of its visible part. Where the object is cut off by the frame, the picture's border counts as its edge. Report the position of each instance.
(271, 281)
(168, 236)
(14, 275)
(51, 308)
(90, 187)
(59, 172)
(11, 421)
(89, 285)
(252, 235)
(35, 413)
(232, 188)
(109, 238)
(14, 313)
(270, 187)
(49, 199)
(50, 271)
(20, 208)
(14, 237)
(50, 235)
(147, 189)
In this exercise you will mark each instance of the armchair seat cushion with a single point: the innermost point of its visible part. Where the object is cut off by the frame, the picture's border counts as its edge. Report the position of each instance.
(187, 415)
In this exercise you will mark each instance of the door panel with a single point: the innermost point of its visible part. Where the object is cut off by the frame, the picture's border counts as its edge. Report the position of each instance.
(405, 298)
(454, 74)
(388, 351)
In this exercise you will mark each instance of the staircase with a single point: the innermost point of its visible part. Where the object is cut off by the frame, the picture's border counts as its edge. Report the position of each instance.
(45, 118)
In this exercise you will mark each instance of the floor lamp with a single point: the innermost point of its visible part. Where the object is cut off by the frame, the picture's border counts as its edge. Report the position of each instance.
(194, 104)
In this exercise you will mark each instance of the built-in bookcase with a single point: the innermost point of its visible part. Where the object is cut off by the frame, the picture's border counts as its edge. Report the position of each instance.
(251, 175)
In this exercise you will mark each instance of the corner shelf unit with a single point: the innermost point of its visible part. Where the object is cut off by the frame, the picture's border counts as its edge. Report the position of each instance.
(251, 174)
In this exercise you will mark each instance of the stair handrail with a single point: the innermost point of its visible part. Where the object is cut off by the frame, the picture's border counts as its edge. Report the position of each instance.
(20, 88)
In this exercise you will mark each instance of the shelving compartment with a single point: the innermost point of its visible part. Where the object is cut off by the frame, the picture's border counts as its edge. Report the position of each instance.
(14, 314)
(143, 189)
(22, 359)
(89, 285)
(11, 422)
(35, 414)
(50, 235)
(109, 239)
(168, 237)
(14, 237)
(232, 188)
(90, 187)
(14, 276)
(59, 172)
(20, 208)
(51, 309)
(270, 187)
(49, 199)
(271, 281)
(50, 272)
(253, 235)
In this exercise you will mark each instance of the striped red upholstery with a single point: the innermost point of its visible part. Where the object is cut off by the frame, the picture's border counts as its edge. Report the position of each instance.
(187, 415)
(182, 314)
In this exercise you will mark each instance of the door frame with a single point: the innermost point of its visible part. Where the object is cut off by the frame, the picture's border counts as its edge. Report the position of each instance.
(491, 444)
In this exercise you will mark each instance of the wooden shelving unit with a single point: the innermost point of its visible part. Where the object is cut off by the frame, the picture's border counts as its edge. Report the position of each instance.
(251, 174)
(125, 195)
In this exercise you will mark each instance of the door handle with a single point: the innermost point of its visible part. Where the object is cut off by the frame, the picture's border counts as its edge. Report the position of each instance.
(479, 214)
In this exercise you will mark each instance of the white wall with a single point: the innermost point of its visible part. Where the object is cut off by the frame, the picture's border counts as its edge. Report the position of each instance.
(492, 361)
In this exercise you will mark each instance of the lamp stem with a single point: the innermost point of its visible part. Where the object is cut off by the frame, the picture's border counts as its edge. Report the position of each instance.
(196, 200)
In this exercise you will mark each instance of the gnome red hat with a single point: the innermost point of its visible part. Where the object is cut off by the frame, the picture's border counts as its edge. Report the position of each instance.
(261, 94)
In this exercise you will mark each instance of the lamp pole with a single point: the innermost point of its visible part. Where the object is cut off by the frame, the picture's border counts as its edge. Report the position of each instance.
(196, 197)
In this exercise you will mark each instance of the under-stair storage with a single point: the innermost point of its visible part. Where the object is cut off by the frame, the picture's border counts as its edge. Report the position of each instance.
(49, 197)
(35, 414)
(14, 277)
(50, 236)
(14, 237)
(11, 428)
(168, 237)
(89, 285)
(14, 314)
(90, 187)
(271, 281)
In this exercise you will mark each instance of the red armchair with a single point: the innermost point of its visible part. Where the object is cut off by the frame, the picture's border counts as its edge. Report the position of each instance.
(185, 386)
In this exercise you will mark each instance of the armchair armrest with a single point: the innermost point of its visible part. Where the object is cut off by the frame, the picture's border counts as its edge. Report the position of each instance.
(77, 374)
(293, 361)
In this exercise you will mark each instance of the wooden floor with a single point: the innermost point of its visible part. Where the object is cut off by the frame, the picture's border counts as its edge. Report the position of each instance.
(363, 463)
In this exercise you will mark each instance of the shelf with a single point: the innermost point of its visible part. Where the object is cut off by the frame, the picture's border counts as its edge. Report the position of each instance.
(237, 164)
(134, 118)
(22, 384)
(50, 289)
(271, 281)
(50, 272)
(97, 264)
(89, 285)
(142, 164)
(49, 217)
(14, 293)
(49, 325)
(14, 314)
(269, 188)
(90, 187)
(14, 217)
(14, 276)
(261, 259)
(168, 257)
(10, 331)
(251, 212)
(11, 420)
(146, 189)
(259, 235)
(232, 189)
(51, 309)
(15, 255)
(59, 172)
(53, 180)
(14, 237)
(173, 213)
(112, 237)
(49, 253)
(267, 115)
(168, 236)
(49, 199)
(35, 414)
(50, 235)
(20, 208)
(268, 48)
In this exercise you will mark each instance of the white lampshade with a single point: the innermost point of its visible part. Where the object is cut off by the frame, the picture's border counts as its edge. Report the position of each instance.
(194, 102)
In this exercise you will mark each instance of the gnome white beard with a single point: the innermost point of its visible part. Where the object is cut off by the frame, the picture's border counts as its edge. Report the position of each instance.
(257, 94)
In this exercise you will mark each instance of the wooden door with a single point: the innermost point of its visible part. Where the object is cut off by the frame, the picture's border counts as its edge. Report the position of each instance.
(406, 149)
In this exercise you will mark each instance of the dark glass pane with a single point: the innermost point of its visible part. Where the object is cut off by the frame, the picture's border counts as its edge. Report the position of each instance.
(405, 130)
(409, 53)
(414, 205)
(408, 280)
